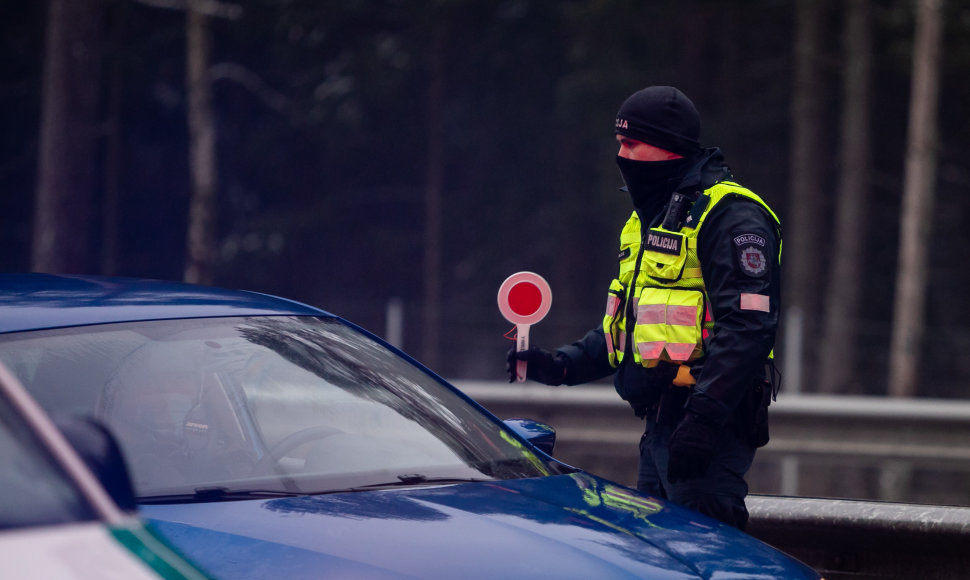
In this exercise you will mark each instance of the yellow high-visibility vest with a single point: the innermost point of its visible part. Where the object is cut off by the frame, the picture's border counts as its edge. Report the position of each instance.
(668, 298)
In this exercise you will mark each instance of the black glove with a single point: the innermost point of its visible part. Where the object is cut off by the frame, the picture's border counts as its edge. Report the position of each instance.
(691, 448)
(543, 366)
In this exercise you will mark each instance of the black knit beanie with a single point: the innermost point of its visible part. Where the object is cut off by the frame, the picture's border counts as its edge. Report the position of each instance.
(663, 117)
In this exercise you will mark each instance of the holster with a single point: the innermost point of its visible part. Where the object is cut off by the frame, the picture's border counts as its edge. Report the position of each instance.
(759, 427)
(670, 408)
(752, 418)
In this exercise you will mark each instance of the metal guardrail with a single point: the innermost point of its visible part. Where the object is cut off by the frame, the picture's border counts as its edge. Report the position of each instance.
(882, 452)
(850, 447)
(848, 539)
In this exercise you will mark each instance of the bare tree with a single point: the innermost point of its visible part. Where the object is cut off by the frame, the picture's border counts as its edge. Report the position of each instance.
(918, 194)
(201, 235)
(802, 260)
(202, 150)
(840, 336)
(67, 158)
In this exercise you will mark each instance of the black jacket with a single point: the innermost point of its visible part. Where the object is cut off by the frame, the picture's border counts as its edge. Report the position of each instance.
(738, 349)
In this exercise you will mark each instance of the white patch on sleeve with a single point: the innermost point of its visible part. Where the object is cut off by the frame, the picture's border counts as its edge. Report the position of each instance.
(757, 302)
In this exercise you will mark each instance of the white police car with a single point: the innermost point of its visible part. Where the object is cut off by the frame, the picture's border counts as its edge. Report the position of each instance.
(56, 519)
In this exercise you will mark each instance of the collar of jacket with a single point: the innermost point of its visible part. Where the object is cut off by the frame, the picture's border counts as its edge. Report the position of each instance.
(709, 169)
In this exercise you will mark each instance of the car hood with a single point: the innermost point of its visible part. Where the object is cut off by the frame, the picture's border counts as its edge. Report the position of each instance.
(568, 526)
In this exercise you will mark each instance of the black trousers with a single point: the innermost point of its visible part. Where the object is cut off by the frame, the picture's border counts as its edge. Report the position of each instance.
(718, 493)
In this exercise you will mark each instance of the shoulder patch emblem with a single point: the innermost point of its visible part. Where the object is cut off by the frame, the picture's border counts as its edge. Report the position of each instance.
(752, 260)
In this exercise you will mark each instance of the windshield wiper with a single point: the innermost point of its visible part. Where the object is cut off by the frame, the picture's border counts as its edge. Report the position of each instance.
(211, 494)
(419, 479)
(207, 494)
(405, 480)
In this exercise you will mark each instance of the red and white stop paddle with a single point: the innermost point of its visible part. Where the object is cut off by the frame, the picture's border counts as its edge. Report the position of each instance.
(524, 299)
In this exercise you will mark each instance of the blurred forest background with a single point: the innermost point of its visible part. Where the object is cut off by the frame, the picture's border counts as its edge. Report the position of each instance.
(384, 156)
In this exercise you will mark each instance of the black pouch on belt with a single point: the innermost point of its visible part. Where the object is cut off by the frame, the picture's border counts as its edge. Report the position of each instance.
(761, 398)
(642, 387)
(764, 391)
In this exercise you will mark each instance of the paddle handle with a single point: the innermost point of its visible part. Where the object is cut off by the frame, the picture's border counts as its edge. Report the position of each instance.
(521, 344)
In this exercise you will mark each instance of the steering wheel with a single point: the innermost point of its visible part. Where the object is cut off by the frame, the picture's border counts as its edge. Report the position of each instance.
(277, 452)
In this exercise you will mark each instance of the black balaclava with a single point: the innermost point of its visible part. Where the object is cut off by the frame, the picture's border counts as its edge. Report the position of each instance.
(650, 183)
(663, 117)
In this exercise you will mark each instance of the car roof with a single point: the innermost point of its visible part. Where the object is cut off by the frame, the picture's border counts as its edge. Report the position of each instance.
(36, 301)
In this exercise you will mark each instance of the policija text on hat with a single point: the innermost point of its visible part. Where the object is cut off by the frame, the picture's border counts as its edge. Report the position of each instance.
(691, 316)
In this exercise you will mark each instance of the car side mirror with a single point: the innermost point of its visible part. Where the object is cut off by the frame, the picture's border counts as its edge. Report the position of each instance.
(539, 434)
(100, 451)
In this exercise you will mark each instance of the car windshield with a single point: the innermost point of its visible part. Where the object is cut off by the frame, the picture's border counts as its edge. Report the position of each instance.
(225, 407)
(35, 489)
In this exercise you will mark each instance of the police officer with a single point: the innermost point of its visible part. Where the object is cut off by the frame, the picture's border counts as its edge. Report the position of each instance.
(691, 316)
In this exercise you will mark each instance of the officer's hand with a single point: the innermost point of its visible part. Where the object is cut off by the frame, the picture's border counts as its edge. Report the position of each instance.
(691, 448)
(543, 366)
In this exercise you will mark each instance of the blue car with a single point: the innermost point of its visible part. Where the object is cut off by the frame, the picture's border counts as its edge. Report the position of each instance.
(270, 439)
